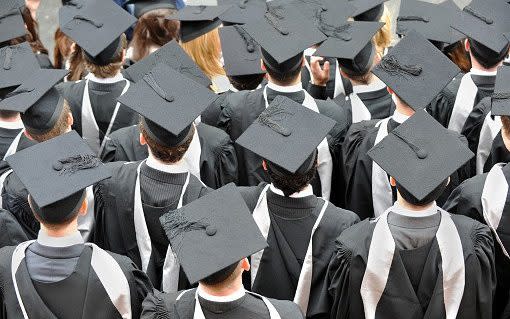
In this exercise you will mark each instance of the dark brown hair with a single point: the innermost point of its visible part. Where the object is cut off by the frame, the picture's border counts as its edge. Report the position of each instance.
(458, 55)
(166, 154)
(153, 29)
(32, 35)
(60, 127)
(110, 70)
(506, 124)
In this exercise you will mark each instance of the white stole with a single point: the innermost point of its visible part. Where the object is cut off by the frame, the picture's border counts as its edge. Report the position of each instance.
(464, 103)
(261, 217)
(380, 257)
(171, 265)
(14, 145)
(494, 194)
(325, 161)
(490, 128)
(104, 266)
(90, 129)
(382, 196)
(359, 110)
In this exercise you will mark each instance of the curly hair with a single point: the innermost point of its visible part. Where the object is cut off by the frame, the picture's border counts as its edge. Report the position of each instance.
(291, 183)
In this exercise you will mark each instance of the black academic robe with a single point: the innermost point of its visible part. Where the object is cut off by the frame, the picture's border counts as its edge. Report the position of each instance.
(243, 108)
(466, 200)
(115, 228)
(358, 168)
(379, 103)
(160, 305)
(212, 113)
(90, 299)
(11, 232)
(218, 161)
(323, 93)
(498, 154)
(442, 106)
(7, 136)
(280, 266)
(400, 299)
(103, 98)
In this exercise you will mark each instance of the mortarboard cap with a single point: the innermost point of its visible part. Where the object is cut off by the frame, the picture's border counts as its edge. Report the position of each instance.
(420, 154)
(69, 9)
(284, 32)
(38, 101)
(351, 43)
(286, 133)
(368, 10)
(198, 20)
(11, 20)
(501, 95)
(331, 11)
(56, 172)
(172, 55)
(430, 20)
(97, 26)
(243, 11)
(169, 102)
(497, 10)
(416, 70)
(241, 54)
(212, 233)
(141, 7)
(17, 62)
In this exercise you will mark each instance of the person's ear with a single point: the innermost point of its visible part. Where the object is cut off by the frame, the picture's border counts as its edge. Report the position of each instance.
(70, 119)
(245, 264)
(83, 208)
(262, 66)
(393, 182)
(123, 56)
(143, 141)
(390, 90)
(264, 165)
(467, 45)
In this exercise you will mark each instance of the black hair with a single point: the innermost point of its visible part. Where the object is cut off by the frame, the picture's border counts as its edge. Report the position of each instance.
(290, 183)
(432, 196)
(220, 276)
(284, 72)
(61, 212)
(246, 82)
(485, 56)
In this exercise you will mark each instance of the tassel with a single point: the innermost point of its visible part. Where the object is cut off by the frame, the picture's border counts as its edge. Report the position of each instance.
(73, 164)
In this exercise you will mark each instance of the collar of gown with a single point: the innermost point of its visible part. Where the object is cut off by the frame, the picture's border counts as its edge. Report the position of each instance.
(117, 78)
(14, 125)
(398, 209)
(374, 86)
(399, 117)
(285, 89)
(177, 168)
(65, 241)
(482, 72)
(308, 191)
(232, 297)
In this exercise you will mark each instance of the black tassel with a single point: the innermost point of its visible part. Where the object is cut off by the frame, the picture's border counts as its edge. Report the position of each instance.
(273, 116)
(501, 96)
(420, 152)
(8, 58)
(274, 17)
(76, 163)
(478, 15)
(391, 65)
(86, 19)
(18, 91)
(12, 12)
(341, 32)
(414, 18)
(151, 81)
(248, 41)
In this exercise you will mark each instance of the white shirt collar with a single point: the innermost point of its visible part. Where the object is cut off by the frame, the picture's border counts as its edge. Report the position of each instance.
(308, 191)
(233, 89)
(65, 241)
(177, 168)
(285, 89)
(117, 78)
(399, 117)
(15, 125)
(232, 297)
(398, 209)
(374, 86)
(310, 51)
(482, 72)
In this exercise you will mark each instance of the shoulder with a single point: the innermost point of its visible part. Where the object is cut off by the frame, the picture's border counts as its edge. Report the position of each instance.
(339, 219)
(5, 259)
(239, 100)
(473, 234)
(212, 136)
(118, 170)
(125, 132)
(471, 189)
(286, 309)
(356, 239)
(251, 194)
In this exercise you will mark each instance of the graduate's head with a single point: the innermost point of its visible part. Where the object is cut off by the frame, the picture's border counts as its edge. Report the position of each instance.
(358, 69)
(163, 145)
(212, 237)
(246, 82)
(284, 73)
(40, 126)
(205, 50)
(56, 173)
(109, 62)
(485, 57)
(409, 198)
(290, 183)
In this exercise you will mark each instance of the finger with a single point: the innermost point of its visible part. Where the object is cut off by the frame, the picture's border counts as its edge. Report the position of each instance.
(325, 68)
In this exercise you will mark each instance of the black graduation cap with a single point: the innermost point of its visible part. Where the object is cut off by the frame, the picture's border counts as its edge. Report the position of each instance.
(501, 95)
(416, 70)
(243, 11)
(141, 7)
(17, 62)
(420, 154)
(430, 20)
(11, 20)
(241, 54)
(368, 10)
(172, 55)
(483, 28)
(56, 172)
(351, 43)
(286, 133)
(169, 102)
(97, 26)
(69, 9)
(284, 32)
(212, 233)
(331, 11)
(37, 99)
(198, 20)
(497, 10)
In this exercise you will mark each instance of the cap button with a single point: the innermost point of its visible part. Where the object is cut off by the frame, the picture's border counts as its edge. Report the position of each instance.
(210, 230)
(422, 154)
(58, 166)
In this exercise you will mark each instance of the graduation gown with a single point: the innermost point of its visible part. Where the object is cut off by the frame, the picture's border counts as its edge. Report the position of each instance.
(396, 297)
(243, 108)
(7, 136)
(116, 229)
(449, 109)
(212, 113)
(218, 161)
(182, 305)
(281, 263)
(103, 285)
(467, 200)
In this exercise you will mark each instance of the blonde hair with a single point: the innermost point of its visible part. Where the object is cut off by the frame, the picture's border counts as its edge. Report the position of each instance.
(206, 52)
(383, 38)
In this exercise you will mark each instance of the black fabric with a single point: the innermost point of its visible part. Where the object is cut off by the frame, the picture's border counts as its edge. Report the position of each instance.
(498, 154)
(325, 92)
(6, 138)
(218, 162)
(379, 103)
(281, 261)
(399, 300)
(11, 232)
(212, 112)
